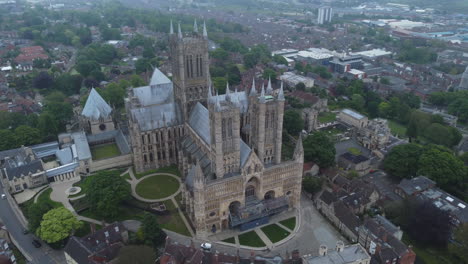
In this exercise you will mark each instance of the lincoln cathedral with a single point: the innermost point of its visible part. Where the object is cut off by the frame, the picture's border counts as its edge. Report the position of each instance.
(227, 146)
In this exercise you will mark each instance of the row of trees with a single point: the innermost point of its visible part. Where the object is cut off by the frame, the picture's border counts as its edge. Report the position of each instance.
(455, 102)
(435, 162)
(17, 129)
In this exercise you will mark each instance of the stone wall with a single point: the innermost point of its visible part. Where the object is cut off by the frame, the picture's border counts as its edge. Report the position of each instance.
(119, 161)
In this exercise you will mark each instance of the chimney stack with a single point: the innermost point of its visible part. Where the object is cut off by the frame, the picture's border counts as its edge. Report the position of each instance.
(323, 250)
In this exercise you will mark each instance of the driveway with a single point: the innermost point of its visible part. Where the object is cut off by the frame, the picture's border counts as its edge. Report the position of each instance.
(43, 255)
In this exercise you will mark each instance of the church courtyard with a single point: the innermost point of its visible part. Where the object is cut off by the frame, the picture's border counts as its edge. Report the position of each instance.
(157, 187)
(105, 151)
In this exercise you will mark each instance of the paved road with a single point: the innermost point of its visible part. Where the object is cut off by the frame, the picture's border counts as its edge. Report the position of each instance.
(43, 255)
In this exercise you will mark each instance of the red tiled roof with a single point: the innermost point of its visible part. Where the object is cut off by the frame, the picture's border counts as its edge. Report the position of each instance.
(308, 166)
(306, 97)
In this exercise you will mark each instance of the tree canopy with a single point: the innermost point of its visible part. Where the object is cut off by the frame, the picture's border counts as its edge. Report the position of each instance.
(460, 246)
(153, 235)
(293, 122)
(57, 224)
(107, 190)
(320, 149)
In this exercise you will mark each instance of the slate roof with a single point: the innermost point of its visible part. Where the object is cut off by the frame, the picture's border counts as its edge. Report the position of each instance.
(156, 116)
(96, 107)
(199, 121)
(244, 152)
(159, 78)
(81, 145)
(415, 185)
(346, 216)
(24, 169)
(104, 244)
(356, 159)
(328, 197)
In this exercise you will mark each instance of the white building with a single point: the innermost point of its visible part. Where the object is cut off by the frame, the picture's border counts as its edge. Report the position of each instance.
(352, 254)
(324, 15)
(292, 79)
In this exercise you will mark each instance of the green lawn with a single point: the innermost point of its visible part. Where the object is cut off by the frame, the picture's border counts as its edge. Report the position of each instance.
(326, 117)
(105, 151)
(251, 239)
(45, 199)
(127, 176)
(170, 169)
(397, 129)
(157, 187)
(230, 240)
(173, 221)
(354, 151)
(289, 223)
(275, 233)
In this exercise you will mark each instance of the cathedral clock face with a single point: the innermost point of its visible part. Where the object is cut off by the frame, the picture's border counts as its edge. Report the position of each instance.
(102, 127)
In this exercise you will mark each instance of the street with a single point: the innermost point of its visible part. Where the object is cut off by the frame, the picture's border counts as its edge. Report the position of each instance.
(42, 255)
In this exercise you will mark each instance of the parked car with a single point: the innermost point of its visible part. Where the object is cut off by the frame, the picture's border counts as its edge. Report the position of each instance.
(3, 196)
(36, 243)
(206, 246)
(25, 231)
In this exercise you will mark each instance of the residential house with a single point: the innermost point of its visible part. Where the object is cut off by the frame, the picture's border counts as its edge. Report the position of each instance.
(414, 186)
(352, 254)
(29, 54)
(102, 246)
(6, 252)
(382, 240)
(359, 162)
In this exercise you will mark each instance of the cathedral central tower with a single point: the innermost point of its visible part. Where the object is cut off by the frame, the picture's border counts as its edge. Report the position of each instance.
(190, 67)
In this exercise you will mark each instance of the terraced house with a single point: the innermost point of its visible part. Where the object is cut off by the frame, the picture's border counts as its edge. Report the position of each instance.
(227, 146)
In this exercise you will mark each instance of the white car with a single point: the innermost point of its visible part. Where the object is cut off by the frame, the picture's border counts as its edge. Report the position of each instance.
(3, 196)
(206, 246)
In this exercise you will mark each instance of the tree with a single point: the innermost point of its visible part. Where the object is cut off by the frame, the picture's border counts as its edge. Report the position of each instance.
(280, 60)
(43, 80)
(403, 161)
(152, 234)
(47, 126)
(312, 185)
(440, 165)
(269, 73)
(136, 255)
(61, 111)
(85, 68)
(8, 139)
(319, 149)
(219, 54)
(107, 190)
(137, 81)
(57, 224)
(300, 86)
(35, 212)
(293, 122)
(459, 247)
(26, 135)
(429, 225)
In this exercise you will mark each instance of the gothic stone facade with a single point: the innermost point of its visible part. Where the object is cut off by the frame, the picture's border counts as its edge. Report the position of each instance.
(227, 146)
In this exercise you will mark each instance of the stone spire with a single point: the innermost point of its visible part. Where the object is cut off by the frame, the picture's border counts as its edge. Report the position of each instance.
(253, 90)
(199, 179)
(209, 91)
(299, 149)
(269, 87)
(195, 26)
(205, 33)
(281, 93)
(262, 94)
(179, 32)
(172, 29)
(217, 106)
(228, 92)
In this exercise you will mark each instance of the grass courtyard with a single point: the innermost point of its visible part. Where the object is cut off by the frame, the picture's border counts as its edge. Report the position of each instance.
(397, 129)
(251, 239)
(157, 187)
(275, 233)
(230, 240)
(326, 117)
(105, 151)
(289, 223)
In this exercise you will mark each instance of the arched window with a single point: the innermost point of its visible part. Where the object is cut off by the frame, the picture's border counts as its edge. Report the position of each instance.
(223, 127)
(230, 127)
